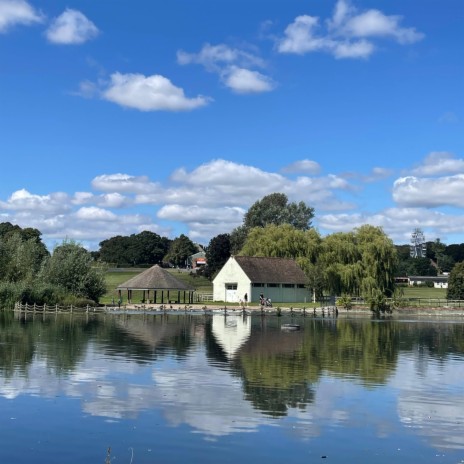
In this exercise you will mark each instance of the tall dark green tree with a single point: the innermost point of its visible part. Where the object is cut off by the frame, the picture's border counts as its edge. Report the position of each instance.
(217, 253)
(179, 250)
(273, 209)
(456, 282)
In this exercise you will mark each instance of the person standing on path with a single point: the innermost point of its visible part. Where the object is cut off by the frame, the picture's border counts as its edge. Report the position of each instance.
(245, 299)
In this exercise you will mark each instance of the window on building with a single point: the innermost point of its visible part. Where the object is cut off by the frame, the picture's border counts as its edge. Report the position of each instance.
(288, 285)
(231, 286)
(258, 285)
(273, 285)
(301, 286)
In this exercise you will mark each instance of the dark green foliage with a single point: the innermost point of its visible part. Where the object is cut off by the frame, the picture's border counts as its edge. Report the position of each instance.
(144, 248)
(179, 251)
(38, 293)
(275, 209)
(71, 268)
(217, 253)
(456, 282)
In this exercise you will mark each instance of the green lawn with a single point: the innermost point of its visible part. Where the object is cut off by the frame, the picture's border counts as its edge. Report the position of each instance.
(115, 278)
(424, 292)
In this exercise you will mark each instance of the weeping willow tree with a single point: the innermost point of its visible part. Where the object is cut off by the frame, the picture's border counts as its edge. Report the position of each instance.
(360, 263)
(282, 241)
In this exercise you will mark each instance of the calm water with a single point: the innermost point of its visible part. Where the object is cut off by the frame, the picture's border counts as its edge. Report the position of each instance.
(215, 389)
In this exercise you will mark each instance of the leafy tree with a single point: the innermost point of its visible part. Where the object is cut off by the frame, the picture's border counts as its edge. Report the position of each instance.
(143, 248)
(362, 262)
(275, 209)
(217, 253)
(456, 252)
(456, 282)
(283, 241)
(20, 258)
(237, 239)
(179, 250)
(71, 267)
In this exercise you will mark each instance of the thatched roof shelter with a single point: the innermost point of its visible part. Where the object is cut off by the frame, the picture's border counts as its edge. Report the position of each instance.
(158, 280)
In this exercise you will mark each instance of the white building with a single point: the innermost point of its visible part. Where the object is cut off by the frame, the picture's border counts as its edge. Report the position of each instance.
(279, 279)
(438, 281)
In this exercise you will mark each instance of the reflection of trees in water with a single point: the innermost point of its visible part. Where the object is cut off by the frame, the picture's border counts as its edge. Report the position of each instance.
(437, 340)
(57, 339)
(17, 345)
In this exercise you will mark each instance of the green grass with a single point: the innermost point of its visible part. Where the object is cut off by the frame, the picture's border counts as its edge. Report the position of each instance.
(424, 292)
(115, 278)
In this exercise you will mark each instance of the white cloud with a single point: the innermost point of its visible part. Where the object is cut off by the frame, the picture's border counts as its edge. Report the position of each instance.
(438, 163)
(149, 93)
(199, 214)
(358, 49)
(373, 23)
(376, 174)
(397, 223)
(234, 67)
(93, 213)
(22, 200)
(17, 12)
(299, 37)
(124, 183)
(303, 166)
(346, 33)
(214, 57)
(242, 80)
(412, 191)
(71, 27)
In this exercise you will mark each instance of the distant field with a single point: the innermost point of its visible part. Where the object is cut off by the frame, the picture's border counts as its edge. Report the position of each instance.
(424, 292)
(115, 278)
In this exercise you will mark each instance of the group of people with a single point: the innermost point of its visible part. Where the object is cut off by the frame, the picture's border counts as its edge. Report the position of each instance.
(262, 301)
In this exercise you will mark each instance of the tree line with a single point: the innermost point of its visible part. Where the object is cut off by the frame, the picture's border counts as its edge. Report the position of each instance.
(29, 273)
(363, 262)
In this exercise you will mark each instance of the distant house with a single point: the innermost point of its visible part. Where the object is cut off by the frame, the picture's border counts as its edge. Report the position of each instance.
(197, 259)
(279, 279)
(440, 281)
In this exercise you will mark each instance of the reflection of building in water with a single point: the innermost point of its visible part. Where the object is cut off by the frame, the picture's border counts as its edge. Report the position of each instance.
(231, 332)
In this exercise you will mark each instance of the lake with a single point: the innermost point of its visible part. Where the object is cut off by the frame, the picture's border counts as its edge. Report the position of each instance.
(175, 388)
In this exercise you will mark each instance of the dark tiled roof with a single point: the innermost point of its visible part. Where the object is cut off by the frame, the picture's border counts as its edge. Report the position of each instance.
(271, 270)
(154, 278)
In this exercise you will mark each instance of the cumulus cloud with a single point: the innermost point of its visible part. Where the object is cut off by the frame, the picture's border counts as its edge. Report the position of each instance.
(397, 223)
(71, 27)
(149, 93)
(17, 12)
(242, 80)
(234, 66)
(22, 200)
(346, 34)
(438, 163)
(426, 192)
(303, 166)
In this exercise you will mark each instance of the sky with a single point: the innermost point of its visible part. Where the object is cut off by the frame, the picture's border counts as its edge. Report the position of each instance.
(121, 116)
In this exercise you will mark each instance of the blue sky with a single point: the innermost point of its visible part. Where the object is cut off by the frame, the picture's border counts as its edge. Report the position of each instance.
(175, 117)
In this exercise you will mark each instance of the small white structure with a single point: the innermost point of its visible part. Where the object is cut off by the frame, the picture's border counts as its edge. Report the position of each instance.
(280, 279)
(440, 281)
